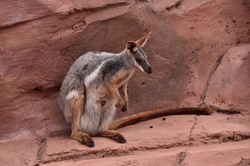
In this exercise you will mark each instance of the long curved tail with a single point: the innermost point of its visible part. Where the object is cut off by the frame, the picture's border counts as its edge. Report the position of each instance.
(143, 116)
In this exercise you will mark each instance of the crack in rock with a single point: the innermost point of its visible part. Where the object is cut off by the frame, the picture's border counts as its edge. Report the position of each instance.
(108, 152)
(175, 6)
(226, 111)
(104, 153)
(180, 158)
(50, 13)
(211, 74)
(41, 148)
(226, 137)
(191, 131)
(243, 162)
(78, 154)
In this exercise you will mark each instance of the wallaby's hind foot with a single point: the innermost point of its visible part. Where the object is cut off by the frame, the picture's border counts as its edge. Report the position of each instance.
(114, 135)
(87, 140)
(83, 138)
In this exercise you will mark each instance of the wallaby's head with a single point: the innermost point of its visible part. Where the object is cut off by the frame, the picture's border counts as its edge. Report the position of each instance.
(134, 49)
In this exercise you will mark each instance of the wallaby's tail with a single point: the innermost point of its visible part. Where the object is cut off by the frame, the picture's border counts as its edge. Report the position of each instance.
(143, 116)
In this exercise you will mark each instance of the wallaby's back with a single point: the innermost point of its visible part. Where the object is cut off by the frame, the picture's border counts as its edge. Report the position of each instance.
(74, 79)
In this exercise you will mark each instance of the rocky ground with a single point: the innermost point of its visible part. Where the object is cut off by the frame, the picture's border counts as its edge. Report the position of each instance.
(217, 139)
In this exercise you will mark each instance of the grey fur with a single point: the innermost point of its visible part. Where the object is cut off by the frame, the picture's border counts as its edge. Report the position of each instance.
(95, 117)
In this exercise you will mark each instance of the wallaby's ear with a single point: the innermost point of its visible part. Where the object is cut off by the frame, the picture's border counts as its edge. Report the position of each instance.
(142, 41)
(131, 46)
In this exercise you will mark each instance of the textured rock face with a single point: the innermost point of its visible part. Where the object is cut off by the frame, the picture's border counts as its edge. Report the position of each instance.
(195, 49)
(228, 88)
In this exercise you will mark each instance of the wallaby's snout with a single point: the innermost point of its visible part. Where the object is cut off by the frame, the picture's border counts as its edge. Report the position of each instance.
(149, 70)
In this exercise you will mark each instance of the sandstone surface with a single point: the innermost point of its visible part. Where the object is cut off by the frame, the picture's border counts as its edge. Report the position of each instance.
(218, 139)
(199, 52)
(189, 50)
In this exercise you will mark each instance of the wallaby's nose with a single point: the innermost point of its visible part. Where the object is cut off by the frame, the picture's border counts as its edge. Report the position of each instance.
(149, 70)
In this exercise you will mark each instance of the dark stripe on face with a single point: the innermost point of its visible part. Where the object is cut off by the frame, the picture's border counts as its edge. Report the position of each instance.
(142, 52)
(139, 61)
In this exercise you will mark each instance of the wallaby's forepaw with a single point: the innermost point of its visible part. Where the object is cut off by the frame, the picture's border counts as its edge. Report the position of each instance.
(119, 103)
(124, 108)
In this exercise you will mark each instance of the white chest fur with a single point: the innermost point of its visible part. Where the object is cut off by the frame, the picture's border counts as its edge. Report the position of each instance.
(97, 117)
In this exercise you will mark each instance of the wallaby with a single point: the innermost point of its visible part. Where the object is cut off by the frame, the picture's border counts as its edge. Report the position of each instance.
(95, 85)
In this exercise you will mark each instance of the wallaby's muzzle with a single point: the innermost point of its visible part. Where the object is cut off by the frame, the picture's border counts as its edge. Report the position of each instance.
(149, 70)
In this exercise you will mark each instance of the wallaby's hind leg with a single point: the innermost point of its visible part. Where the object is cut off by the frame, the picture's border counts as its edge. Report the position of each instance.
(112, 134)
(76, 104)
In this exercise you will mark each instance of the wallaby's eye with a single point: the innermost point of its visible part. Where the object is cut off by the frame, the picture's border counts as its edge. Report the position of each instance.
(138, 60)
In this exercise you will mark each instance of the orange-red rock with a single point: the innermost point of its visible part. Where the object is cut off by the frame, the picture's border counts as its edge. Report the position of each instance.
(39, 40)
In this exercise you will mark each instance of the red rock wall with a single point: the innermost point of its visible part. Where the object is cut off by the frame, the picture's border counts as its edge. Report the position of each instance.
(199, 53)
